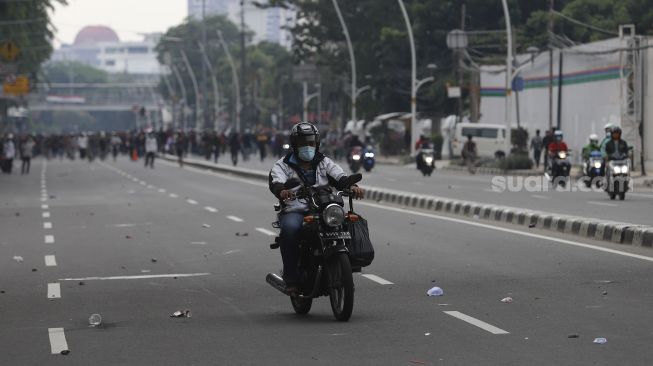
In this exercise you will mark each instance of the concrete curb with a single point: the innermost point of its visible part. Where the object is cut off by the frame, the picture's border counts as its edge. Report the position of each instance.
(602, 230)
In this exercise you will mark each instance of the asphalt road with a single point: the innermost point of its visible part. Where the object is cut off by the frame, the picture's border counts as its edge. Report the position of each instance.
(532, 194)
(120, 234)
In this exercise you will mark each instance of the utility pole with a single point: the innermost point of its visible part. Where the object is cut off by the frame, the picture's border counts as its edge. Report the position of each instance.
(204, 94)
(550, 31)
(243, 58)
(460, 62)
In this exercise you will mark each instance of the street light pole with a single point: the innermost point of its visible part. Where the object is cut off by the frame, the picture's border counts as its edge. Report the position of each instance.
(506, 15)
(203, 44)
(193, 79)
(352, 60)
(216, 90)
(234, 75)
(180, 81)
(413, 80)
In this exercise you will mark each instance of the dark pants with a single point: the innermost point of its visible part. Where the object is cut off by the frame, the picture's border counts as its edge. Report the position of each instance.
(291, 224)
(7, 165)
(149, 159)
(24, 168)
(536, 157)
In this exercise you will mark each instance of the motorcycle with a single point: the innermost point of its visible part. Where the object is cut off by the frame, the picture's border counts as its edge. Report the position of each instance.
(368, 160)
(617, 176)
(324, 264)
(355, 158)
(426, 161)
(594, 169)
(559, 169)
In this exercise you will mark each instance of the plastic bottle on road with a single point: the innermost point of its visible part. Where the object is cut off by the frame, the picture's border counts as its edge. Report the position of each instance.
(95, 320)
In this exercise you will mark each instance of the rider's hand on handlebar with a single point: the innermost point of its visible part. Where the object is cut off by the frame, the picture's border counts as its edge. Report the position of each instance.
(285, 195)
(358, 192)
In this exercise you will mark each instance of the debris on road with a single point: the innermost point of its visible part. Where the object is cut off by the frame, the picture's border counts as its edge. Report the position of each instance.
(2, 291)
(417, 362)
(413, 223)
(243, 234)
(52, 196)
(506, 300)
(95, 320)
(600, 340)
(17, 214)
(531, 226)
(181, 314)
(81, 283)
(153, 260)
(427, 334)
(435, 291)
(128, 237)
(605, 292)
(206, 225)
(18, 259)
(34, 270)
(573, 336)
(65, 352)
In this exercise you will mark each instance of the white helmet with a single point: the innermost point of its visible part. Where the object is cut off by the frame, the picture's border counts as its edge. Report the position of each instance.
(594, 138)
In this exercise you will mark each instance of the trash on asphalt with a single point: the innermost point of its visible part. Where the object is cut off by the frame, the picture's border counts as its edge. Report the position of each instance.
(34, 269)
(531, 226)
(427, 334)
(206, 225)
(17, 214)
(181, 314)
(65, 352)
(2, 291)
(52, 196)
(600, 340)
(506, 300)
(573, 336)
(153, 260)
(128, 236)
(82, 283)
(435, 291)
(419, 362)
(18, 259)
(605, 292)
(413, 223)
(95, 320)
(243, 234)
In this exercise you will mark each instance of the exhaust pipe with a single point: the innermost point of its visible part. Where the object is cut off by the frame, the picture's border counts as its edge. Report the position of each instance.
(277, 282)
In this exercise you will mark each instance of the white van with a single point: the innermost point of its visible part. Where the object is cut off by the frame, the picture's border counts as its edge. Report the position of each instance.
(488, 138)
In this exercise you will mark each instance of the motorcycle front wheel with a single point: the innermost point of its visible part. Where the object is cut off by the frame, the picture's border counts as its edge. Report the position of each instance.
(301, 306)
(341, 287)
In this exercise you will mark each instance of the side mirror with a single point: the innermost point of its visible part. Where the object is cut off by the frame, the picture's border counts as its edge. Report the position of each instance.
(353, 179)
(292, 183)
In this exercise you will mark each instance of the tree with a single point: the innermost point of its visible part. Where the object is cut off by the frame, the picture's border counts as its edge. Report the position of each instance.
(73, 72)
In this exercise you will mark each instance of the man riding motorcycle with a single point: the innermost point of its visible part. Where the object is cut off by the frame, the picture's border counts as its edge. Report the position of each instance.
(614, 146)
(593, 145)
(558, 144)
(312, 168)
(608, 135)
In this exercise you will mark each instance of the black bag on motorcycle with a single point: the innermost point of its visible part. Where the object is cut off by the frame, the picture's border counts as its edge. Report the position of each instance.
(361, 251)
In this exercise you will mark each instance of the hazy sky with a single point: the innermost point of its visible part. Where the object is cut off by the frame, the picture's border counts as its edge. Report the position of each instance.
(127, 17)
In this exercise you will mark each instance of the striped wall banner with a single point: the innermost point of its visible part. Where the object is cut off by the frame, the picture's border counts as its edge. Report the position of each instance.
(579, 77)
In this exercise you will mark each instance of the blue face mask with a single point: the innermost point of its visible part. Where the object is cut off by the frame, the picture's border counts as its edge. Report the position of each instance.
(306, 153)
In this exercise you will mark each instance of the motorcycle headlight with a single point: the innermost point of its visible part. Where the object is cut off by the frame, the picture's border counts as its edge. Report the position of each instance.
(616, 169)
(597, 164)
(624, 169)
(286, 146)
(428, 159)
(369, 155)
(356, 157)
(562, 155)
(333, 215)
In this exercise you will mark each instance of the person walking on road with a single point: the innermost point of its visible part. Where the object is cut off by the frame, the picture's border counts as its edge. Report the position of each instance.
(115, 145)
(180, 146)
(9, 153)
(536, 146)
(26, 152)
(546, 141)
(469, 154)
(151, 147)
(234, 145)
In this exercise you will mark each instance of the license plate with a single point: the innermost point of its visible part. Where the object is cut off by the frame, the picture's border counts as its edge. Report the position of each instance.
(336, 235)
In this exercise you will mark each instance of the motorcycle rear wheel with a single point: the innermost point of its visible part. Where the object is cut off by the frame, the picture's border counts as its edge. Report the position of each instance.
(341, 287)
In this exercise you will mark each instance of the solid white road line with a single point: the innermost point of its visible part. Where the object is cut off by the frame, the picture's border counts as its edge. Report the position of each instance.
(473, 321)
(266, 231)
(540, 197)
(46, 214)
(377, 279)
(57, 340)
(50, 261)
(450, 219)
(211, 209)
(191, 201)
(234, 218)
(49, 239)
(47, 225)
(602, 204)
(172, 195)
(511, 231)
(54, 291)
(45, 207)
(135, 277)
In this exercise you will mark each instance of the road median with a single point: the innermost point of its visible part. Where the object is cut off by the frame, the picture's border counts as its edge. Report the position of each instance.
(591, 228)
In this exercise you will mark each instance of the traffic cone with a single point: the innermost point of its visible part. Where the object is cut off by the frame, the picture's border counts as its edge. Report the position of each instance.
(134, 155)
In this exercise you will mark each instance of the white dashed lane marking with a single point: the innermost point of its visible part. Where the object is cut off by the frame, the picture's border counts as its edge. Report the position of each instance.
(161, 190)
(57, 340)
(266, 231)
(172, 275)
(49, 239)
(47, 225)
(234, 218)
(211, 209)
(172, 195)
(45, 207)
(46, 215)
(50, 261)
(602, 204)
(192, 202)
(54, 291)
(479, 323)
(377, 279)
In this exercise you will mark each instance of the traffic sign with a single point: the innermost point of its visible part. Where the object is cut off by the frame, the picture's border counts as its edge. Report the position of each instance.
(518, 84)
(9, 51)
(305, 73)
(19, 87)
